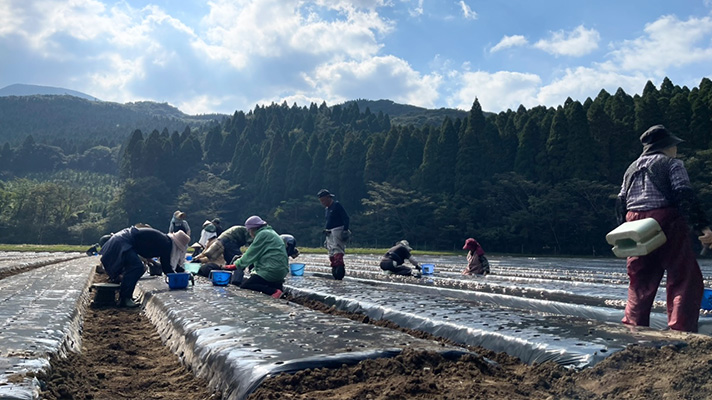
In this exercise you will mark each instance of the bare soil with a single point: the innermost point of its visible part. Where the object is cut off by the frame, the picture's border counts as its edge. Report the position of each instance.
(123, 358)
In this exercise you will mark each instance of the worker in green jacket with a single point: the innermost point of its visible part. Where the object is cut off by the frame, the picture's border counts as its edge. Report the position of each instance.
(268, 257)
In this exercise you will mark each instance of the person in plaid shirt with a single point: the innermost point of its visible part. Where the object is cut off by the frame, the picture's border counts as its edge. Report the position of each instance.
(657, 186)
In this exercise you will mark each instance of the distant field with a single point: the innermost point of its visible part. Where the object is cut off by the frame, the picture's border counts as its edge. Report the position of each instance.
(42, 247)
(305, 250)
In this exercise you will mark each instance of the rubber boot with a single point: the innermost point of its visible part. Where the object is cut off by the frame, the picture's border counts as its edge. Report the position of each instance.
(128, 303)
(338, 269)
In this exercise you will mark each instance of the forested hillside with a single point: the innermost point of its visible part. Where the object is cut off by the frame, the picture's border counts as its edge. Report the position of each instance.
(536, 181)
(67, 121)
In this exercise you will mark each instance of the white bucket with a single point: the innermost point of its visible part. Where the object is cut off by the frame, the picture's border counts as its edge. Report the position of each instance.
(636, 238)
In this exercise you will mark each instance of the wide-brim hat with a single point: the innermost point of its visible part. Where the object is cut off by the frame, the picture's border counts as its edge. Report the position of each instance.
(254, 222)
(658, 138)
(180, 239)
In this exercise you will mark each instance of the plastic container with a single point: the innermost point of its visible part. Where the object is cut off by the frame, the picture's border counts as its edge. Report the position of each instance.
(179, 280)
(220, 278)
(193, 268)
(296, 269)
(428, 269)
(707, 300)
(189, 258)
(636, 238)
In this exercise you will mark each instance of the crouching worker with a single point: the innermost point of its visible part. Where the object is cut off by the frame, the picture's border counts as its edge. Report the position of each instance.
(122, 253)
(268, 257)
(477, 263)
(290, 244)
(223, 250)
(393, 260)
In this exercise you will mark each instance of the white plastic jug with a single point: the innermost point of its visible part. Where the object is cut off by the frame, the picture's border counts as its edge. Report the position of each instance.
(636, 238)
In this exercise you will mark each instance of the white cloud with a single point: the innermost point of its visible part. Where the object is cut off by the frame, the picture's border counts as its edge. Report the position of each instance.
(467, 11)
(418, 10)
(203, 104)
(273, 28)
(668, 42)
(509, 41)
(496, 91)
(579, 42)
(385, 77)
(580, 83)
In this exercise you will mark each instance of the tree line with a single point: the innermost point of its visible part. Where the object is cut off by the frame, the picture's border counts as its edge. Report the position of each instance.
(535, 181)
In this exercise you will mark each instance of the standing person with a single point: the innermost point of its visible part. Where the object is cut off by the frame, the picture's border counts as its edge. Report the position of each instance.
(268, 257)
(657, 186)
(394, 258)
(337, 232)
(178, 223)
(122, 256)
(477, 263)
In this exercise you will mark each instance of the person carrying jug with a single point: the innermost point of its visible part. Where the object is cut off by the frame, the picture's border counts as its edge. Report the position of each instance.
(122, 256)
(394, 259)
(657, 186)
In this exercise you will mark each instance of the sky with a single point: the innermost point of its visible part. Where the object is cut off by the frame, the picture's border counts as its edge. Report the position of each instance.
(222, 56)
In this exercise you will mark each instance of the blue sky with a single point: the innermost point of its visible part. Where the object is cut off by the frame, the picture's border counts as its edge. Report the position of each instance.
(228, 55)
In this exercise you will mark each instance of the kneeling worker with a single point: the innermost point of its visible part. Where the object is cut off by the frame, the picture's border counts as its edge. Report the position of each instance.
(268, 255)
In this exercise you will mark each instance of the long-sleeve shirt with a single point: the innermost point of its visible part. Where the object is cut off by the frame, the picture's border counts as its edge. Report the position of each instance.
(150, 243)
(655, 181)
(267, 254)
(144, 242)
(336, 216)
(400, 254)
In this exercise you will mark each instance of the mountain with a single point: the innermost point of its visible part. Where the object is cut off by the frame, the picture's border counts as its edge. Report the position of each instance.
(404, 114)
(62, 118)
(29, 90)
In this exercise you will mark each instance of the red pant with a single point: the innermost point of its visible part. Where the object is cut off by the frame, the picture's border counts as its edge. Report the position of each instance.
(684, 278)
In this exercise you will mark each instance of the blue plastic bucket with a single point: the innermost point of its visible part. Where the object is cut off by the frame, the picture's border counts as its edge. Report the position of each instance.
(179, 280)
(707, 300)
(220, 278)
(428, 269)
(296, 269)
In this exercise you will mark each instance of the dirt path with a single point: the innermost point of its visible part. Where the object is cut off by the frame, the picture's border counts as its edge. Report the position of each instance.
(122, 358)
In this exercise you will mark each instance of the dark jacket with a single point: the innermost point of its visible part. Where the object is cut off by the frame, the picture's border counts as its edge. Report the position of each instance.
(336, 216)
(398, 253)
(145, 242)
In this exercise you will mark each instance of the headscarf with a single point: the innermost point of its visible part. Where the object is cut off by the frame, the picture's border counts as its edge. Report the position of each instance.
(472, 245)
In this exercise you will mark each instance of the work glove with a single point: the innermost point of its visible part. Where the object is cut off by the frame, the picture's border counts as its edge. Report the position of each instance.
(345, 235)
